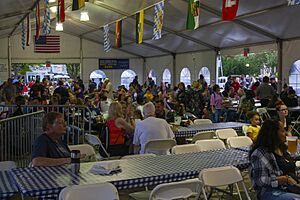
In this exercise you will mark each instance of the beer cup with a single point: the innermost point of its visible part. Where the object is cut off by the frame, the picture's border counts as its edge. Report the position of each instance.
(292, 144)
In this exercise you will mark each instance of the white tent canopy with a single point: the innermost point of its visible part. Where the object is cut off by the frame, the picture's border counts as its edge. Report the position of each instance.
(257, 22)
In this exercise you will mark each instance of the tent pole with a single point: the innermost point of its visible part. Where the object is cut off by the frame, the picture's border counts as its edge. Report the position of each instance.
(9, 57)
(145, 76)
(279, 67)
(217, 66)
(174, 69)
(81, 59)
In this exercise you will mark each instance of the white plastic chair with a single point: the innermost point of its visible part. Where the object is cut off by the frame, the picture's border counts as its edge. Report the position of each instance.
(221, 176)
(245, 129)
(202, 121)
(203, 136)
(185, 148)
(176, 190)
(95, 141)
(99, 191)
(240, 141)
(223, 134)
(212, 144)
(263, 113)
(7, 165)
(159, 146)
(86, 149)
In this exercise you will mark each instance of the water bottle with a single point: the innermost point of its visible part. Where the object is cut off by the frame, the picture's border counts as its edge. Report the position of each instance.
(75, 161)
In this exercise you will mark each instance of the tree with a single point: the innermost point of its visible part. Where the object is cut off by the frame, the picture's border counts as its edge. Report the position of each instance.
(73, 70)
(237, 64)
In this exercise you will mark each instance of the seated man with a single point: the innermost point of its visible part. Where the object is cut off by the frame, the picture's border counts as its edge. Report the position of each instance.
(163, 113)
(150, 128)
(291, 100)
(48, 148)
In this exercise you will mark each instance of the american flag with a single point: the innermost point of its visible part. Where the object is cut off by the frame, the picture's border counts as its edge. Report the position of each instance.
(47, 44)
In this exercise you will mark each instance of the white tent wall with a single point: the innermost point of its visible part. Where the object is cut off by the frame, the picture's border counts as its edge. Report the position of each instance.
(159, 64)
(3, 59)
(194, 62)
(70, 53)
(290, 54)
(93, 51)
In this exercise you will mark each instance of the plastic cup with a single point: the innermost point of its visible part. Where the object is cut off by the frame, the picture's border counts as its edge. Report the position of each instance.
(177, 120)
(292, 144)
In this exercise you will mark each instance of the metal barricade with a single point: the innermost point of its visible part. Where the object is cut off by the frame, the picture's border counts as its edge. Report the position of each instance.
(78, 119)
(17, 135)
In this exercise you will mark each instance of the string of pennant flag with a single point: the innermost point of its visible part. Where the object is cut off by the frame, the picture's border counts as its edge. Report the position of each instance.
(229, 11)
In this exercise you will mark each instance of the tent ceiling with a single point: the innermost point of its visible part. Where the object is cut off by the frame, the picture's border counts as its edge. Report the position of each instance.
(257, 22)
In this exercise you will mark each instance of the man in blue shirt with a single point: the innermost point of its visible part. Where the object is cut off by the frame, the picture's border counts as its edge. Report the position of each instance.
(48, 148)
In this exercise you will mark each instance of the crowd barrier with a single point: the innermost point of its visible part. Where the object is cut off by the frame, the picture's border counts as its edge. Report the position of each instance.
(18, 133)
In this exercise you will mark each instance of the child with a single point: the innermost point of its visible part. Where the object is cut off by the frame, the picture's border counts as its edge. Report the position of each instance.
(254, 128)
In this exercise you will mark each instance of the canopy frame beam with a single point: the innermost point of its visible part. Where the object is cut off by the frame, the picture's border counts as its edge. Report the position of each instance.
(105, 6)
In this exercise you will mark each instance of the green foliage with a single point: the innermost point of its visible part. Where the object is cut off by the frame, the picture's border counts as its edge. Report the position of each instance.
(237, 64)
(24, 69)
(73, 70)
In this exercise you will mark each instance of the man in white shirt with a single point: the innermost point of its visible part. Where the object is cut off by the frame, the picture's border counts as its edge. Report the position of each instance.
(150, 128)
(108, 89)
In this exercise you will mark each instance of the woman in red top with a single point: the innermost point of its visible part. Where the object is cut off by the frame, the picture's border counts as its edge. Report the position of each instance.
(118, 129)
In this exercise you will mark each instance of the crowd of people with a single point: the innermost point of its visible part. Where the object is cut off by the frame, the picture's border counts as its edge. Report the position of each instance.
(142, 112)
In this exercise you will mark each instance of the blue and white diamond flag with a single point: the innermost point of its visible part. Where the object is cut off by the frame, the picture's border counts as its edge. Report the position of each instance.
(47, 25)
(158, 20)
(106, 40)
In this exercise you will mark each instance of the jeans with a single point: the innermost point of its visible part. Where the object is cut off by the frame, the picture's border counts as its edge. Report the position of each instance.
(216, 115)
(275, 194)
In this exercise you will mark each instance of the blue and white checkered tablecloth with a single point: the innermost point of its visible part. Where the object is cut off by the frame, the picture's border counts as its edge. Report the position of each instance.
(246, 149)
(7, 186)
(191, 130)
(136, 172)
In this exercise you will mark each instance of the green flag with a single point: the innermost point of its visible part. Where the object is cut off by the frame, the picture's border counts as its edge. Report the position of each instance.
(193, 15)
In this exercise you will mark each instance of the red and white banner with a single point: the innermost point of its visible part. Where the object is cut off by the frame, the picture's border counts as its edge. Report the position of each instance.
(229, 10)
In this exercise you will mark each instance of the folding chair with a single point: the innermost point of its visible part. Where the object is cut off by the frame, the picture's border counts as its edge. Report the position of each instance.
(95, 141)
(159, 146)
(244, 129)
(295, 124)
(86, 149)
(240, 141)
(212, 144)
(176, 190)
(185, 148)
(221, 176)
(99, 191)
(223, 134)
(202, 121)
(167, 191)
(203, 136)
(263, 113)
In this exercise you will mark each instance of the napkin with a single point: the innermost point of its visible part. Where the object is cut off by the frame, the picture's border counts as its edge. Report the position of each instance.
(106, 167)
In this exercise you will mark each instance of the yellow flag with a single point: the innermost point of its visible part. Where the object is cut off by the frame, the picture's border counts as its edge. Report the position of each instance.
(139, 26)
(77, 4)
